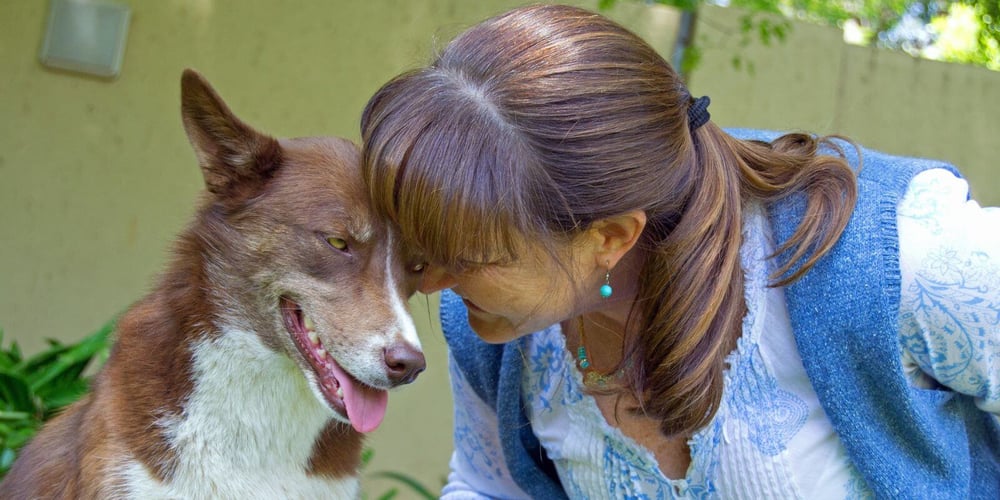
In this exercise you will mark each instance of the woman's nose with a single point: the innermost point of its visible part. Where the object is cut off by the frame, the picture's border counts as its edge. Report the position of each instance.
(435, 278)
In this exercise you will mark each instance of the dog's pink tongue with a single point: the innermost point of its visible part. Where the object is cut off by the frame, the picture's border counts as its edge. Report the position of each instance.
(365, 405)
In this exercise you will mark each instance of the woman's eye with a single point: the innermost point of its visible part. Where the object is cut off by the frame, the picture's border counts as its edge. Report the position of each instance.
(338, 243)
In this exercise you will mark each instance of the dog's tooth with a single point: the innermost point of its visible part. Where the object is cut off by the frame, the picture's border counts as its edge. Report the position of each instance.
(321, 353)
(340, 392)
(308, 322)
(313, 337)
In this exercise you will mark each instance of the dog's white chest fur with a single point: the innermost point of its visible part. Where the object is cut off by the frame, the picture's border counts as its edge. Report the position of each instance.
(247, 430)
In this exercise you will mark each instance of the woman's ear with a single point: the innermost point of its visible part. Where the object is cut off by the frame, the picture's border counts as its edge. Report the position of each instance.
(615, 236)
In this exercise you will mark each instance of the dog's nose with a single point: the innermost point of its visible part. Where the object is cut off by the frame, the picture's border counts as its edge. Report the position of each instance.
(404, 363)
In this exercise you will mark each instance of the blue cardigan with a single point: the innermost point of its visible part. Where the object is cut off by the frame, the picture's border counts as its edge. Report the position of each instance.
(907, 442)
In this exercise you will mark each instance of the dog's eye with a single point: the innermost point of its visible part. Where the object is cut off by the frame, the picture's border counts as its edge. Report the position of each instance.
(338, 243)
(419, 268)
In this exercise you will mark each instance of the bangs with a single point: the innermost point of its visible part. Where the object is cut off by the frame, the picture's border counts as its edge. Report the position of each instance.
(449, 173)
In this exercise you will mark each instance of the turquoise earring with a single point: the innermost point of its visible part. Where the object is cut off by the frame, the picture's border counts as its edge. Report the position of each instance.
(606, 287)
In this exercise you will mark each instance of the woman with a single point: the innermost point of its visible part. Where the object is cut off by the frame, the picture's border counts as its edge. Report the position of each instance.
(640, 304)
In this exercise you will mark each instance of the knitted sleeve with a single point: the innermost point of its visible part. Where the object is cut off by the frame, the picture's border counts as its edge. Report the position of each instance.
(950, 308)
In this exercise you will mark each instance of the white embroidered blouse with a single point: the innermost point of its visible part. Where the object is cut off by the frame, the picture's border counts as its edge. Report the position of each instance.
(770, 437)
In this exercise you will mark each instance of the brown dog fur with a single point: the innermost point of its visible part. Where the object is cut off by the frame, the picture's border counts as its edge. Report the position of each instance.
(162, 418)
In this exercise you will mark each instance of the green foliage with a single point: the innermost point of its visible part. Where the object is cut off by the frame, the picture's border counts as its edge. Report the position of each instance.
(415, 486)
(764, 21)
(692, 56)
(949, 30)
(34, 389)
(969, 34)
(764, 25)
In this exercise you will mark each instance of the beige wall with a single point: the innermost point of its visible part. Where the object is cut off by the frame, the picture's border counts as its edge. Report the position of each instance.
(884, 100)
(98, 177)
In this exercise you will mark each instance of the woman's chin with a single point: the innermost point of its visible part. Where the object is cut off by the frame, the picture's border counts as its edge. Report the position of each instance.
(492, 329)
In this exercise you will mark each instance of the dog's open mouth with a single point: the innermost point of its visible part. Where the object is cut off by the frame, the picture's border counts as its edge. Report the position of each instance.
(362, 405)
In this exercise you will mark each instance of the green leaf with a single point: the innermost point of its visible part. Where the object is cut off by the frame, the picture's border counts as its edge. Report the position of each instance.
(389, 495)
(15, 352)
(66, 393)
(366, 457)
(765, 32)
(14, 415)
(7, 358)
(6, 361)
(781, 30)
(680, 4)
(692, 57)
(7, 457)
(15, 394)
(32, 390)
(42, 359)
(20, 437)
(412, 483)
(68, 361)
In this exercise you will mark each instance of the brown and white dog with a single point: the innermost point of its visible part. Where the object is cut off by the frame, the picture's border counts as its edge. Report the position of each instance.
(265, 350)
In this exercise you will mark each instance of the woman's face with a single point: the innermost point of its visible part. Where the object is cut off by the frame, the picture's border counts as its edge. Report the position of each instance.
(507, 301)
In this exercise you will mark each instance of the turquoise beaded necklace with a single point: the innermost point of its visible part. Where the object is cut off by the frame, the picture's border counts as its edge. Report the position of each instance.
(591, 378)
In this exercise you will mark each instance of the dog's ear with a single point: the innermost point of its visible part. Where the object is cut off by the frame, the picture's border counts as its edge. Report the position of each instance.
(235, 159)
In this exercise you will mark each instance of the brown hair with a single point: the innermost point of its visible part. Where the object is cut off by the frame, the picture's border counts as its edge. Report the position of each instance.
(540, 121)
